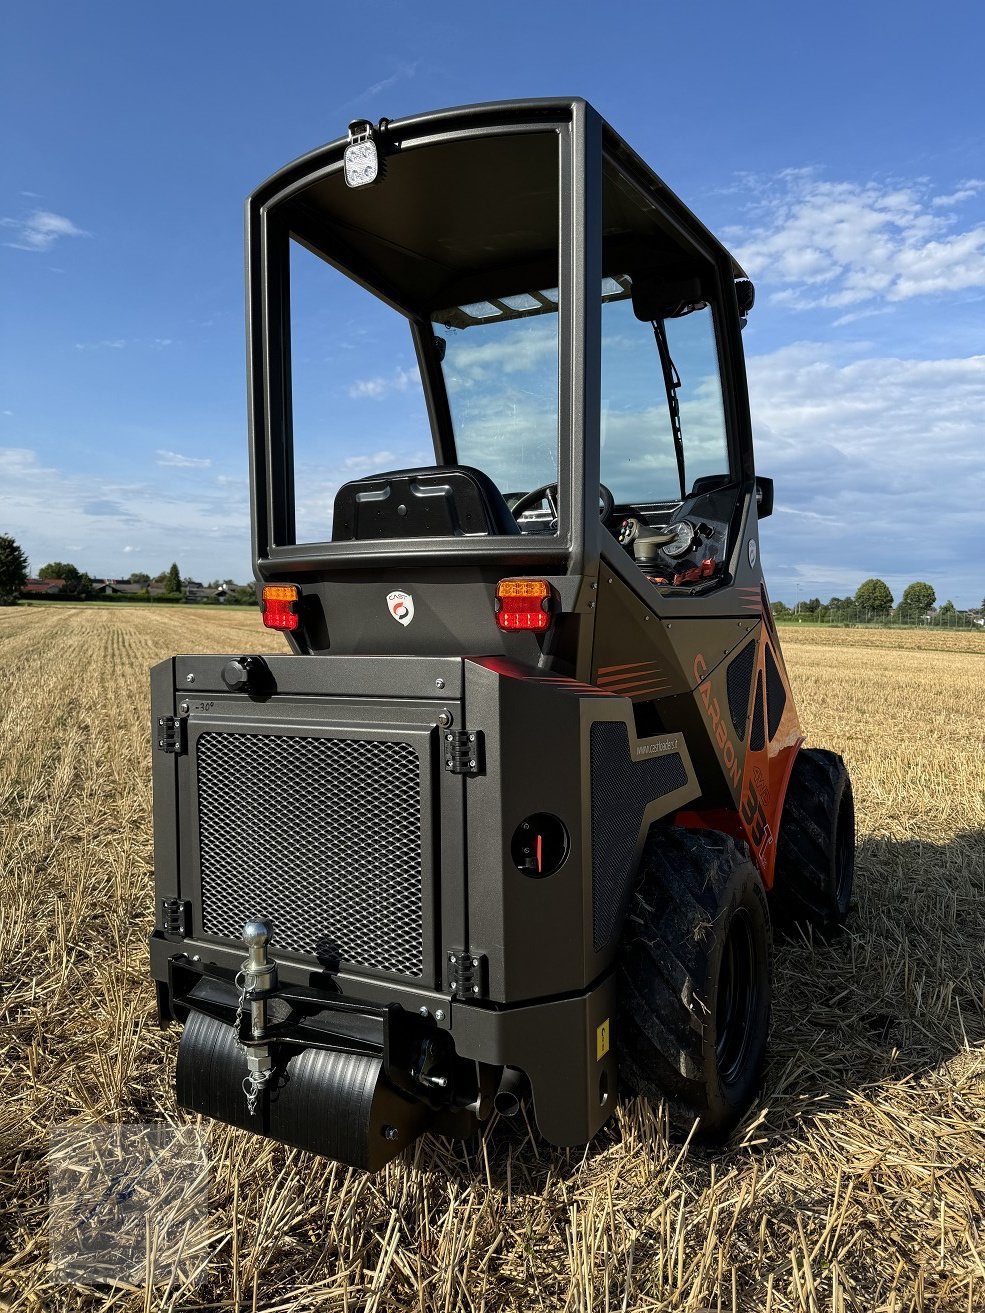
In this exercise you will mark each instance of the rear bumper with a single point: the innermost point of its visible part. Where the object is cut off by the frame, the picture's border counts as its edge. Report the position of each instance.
(563, 1046)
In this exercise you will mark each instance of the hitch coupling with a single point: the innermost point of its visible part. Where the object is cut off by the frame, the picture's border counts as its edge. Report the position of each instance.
(256, 980)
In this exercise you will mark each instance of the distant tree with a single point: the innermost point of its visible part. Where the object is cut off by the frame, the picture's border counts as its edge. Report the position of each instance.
(779, 608)
(138, 577)
(172, 580)
(947, 612)
(918, 598)
(874, 595)
(84, 586)
(62, 570)
(811, 606)
(13, 570)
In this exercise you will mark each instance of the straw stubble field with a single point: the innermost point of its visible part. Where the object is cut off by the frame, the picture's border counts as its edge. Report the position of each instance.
(858, 1183)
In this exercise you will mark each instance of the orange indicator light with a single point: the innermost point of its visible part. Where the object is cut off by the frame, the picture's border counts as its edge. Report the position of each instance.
(280, 606)
(523, 604)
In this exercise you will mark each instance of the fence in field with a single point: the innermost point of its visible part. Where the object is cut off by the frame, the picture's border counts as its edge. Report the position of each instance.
(852, 615)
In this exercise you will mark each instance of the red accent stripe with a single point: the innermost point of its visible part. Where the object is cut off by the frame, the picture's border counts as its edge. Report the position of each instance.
(644, 688)
(631, 686)
(644, 668)
(632, 665)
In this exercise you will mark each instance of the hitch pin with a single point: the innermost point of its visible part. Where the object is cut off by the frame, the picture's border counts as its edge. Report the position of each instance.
(259, 975)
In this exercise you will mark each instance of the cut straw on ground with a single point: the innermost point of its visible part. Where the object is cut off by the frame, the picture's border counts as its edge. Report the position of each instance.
(857, 1182)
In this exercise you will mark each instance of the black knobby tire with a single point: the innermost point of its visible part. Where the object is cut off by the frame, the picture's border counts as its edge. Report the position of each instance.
(695, 980)
(815, 853)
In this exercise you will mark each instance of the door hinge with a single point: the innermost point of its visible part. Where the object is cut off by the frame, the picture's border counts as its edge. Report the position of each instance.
(169, 733)
(176, 916)
(464, 752)
(468, 976)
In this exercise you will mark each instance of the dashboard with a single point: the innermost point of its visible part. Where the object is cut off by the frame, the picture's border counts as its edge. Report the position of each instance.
(679, 546)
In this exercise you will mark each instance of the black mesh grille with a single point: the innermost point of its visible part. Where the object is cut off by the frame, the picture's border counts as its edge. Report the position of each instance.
(776, 694)
(738, 678)
(621, 790)
(757, 735)
(320, 835)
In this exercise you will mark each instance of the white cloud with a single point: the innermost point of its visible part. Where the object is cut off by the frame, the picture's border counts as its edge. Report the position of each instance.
(879, 465)
(378, 387)
(524, 346)
(40, 230)
(373, 462)
(965, 191)
(175, 459)
(402, 72)
(843, 245)
(119, 343)
(46, 509)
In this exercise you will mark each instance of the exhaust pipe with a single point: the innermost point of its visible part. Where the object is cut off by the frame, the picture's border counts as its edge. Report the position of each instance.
(513, 1090)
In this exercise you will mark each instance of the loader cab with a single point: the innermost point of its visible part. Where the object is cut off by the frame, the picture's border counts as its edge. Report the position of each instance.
(504, 350)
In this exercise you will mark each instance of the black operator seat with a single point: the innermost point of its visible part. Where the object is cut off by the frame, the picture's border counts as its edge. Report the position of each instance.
(443, 501)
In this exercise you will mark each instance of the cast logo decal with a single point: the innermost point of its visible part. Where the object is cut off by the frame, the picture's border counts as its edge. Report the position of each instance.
(401, 607)
(752, 551)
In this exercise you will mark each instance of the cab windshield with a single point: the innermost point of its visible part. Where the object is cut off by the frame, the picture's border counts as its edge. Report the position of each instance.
(500, 364)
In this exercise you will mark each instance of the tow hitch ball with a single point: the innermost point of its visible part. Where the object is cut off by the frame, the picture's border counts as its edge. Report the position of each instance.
(257, 979)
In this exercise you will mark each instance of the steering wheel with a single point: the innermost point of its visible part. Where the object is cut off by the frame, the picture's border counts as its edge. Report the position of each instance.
(548, 492)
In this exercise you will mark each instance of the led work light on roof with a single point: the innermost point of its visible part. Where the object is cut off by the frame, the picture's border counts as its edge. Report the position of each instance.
(362, 158)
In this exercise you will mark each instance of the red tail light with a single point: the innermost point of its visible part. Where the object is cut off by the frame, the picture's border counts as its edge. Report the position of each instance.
(281, 605)
(523, 604)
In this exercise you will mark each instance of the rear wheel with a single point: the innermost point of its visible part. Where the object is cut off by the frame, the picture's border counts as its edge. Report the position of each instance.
(815, 854)
(695, 980)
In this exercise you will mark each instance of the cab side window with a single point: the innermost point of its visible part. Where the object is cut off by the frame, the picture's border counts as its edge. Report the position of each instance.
(640, 461)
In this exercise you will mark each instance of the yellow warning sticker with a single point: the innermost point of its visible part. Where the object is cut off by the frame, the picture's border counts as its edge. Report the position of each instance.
(602, 1040)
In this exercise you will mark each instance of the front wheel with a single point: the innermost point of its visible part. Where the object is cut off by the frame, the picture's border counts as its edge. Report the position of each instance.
(815, 851)
(695, 980)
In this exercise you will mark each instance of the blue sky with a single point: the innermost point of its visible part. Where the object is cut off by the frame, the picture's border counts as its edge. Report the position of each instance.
(838, 150)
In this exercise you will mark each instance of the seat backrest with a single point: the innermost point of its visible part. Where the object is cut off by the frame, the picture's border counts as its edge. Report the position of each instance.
(435, 502)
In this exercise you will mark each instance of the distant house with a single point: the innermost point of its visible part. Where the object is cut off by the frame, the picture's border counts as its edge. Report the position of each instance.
(43, 587)
(116, 587)
(196, 592)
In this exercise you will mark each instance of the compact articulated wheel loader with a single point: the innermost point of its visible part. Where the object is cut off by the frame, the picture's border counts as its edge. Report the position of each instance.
(509, 816)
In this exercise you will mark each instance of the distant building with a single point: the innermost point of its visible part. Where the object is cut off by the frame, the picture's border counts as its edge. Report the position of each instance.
(43, 587)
